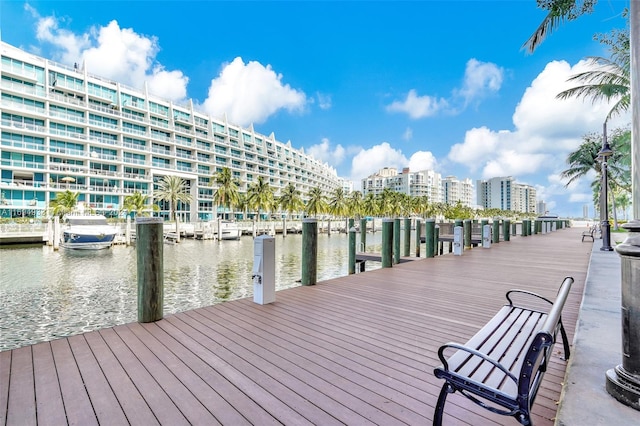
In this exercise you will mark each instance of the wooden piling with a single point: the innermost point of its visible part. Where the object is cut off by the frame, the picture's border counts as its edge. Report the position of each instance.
(352, 248)
(506, 227)
(407, 237)
(150, 264)
(309, 251)
(429, 237)
(127, 231)
(387, 243)
(56, 233)
(396, 241)
(418, 236)
(467, 233)
(495, 234)
(363, 234)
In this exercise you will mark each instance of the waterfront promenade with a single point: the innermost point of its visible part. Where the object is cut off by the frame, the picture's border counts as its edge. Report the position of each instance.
(353, 350)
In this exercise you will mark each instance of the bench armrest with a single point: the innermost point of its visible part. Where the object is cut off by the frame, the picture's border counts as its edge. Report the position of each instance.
(474, 353)
(525, 292)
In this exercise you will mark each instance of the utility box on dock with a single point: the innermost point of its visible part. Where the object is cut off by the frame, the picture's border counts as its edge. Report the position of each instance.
(457, 240)
(264, 270)
(486, 236)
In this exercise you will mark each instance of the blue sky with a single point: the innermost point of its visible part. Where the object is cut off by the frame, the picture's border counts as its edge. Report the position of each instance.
(440, 85)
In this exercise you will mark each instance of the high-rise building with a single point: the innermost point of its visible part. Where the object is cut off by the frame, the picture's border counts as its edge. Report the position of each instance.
(64, 128)
(346, 185)
(456, 190)
(541, 207)
(506, 194)
(423, 183)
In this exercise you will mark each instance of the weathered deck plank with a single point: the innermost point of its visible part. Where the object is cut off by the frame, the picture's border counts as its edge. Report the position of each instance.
(78, 406)
(353, 350)
(50, 410)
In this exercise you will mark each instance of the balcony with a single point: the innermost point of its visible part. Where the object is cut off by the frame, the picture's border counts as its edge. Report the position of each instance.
(15, 87)
(16, 71)
(17, 106)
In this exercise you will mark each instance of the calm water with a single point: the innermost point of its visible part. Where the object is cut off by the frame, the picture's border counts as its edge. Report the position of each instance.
(46, 294)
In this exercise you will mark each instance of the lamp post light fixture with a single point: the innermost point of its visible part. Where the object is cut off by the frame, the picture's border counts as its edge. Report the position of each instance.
(604, 154)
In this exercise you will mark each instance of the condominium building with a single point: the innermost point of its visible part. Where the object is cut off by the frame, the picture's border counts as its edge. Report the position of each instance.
(423, 183)
(506, 194)
(64, 128)
(456, 190)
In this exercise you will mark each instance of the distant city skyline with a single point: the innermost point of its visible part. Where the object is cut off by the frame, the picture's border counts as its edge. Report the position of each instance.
(359, 85)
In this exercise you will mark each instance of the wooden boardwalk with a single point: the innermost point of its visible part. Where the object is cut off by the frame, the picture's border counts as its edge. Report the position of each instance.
(355, 350)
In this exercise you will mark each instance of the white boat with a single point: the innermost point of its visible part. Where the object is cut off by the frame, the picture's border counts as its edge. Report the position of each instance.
(229, 230)
(87, 232)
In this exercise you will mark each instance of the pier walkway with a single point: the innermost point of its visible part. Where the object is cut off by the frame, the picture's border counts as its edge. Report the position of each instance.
(353, 350)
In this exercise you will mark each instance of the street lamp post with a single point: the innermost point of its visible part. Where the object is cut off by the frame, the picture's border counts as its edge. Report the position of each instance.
(604, 154)
(623, 381)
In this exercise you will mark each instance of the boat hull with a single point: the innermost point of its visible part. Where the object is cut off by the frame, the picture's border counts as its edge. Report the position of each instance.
(229, 231)
(87, 232)
(230, 234)
(81, 240)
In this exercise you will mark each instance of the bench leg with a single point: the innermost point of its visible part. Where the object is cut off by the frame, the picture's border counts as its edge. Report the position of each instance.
(442, 399)
(565, 342)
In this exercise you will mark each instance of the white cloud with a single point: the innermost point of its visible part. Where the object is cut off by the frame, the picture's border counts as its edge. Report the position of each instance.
(511, 163)
(546, 130)
(480, 80)
(408, 134)
(369, 161)
(324, 101)
(422, 160)
(418, 106)
(539, 113)
(250, 93)
(117, 53)
(324, 152)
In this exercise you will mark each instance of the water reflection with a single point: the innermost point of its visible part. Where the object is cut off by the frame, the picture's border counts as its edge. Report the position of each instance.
(48, 294)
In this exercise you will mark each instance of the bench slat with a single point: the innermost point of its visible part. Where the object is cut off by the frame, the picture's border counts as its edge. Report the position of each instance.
(506, 344)
(514, 354)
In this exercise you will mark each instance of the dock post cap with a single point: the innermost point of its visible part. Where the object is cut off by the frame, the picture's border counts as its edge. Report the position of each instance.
(143, 220)
(309, 220)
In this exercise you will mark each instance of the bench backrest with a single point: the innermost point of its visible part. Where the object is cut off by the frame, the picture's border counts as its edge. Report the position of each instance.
(537, 357)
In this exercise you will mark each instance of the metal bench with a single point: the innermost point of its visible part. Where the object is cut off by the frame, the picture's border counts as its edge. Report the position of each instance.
(502, 366)
(589, 234)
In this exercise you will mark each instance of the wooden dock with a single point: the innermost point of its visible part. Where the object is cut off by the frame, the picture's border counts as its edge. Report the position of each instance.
(354, 350)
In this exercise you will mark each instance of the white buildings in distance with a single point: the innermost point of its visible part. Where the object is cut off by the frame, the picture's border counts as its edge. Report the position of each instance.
(499, 192)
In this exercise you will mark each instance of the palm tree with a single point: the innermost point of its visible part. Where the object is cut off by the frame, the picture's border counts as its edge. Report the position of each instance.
(243, 204)
(370, 204)
(421, 206)
(173, 190)
(290, 201)
(316, 204)
(396, 204)
(385, 202)
(338, 203)
(65, 202)
(138, 203)
(226, 193)
(559, 11)
(585, 159)
(260, 196)
(355, 204)
(609, 81)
